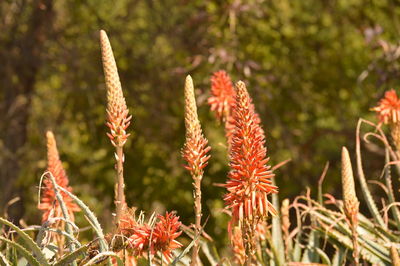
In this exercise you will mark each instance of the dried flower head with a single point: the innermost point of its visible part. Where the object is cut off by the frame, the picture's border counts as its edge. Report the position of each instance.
(249, 180)
(223, 95)
(118, 118)
(195, 148)
(48, 203)
(388, 109)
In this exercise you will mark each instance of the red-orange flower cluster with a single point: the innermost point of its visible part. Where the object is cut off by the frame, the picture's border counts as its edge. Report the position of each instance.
(249, 180)
(223, 95)
(388, 109)
(48, 201)
(162, 234)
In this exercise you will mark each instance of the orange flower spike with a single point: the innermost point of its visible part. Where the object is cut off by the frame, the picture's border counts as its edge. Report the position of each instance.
(195, 148)
(118, 118)
(388, 109)
(48, 200)
(249, 181)
(223, 95)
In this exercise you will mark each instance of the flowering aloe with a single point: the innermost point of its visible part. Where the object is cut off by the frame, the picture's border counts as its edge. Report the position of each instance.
(194, 152)
(118, 118)
(249, 180)
(48, 203)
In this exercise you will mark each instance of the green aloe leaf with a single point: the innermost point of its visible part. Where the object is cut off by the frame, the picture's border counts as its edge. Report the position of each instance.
(339, 259)
(28, 241)
(4, 260)
(64, 210)
(388, 180)
(72, 256)
(95, 259)
(361, 177)
(92, 219)
(24, 252)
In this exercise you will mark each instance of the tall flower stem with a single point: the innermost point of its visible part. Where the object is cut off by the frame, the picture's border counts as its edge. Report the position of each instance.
(118, 118)
(120, 194)
(248, 235)
(194, 152)
(351, 203)
(198, 214)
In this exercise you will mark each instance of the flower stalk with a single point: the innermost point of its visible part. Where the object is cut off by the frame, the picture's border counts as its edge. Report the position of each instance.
(118, 118)
(194, 153)
(351, 203)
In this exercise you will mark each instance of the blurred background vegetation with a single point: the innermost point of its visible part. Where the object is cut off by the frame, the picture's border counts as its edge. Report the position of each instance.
(313, 68)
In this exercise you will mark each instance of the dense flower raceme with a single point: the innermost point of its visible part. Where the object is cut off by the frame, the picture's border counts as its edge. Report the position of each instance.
(48, 203)
(118, 118)
(223, 95)
(249, 180)
(195, 148)
(162, 234)
(388, 109)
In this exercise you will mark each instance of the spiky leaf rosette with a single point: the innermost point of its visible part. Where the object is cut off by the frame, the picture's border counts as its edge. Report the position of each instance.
(118, 118)
(249, 181)
(48, 203)
(195, 148)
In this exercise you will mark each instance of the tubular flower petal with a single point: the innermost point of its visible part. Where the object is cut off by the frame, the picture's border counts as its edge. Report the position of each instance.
(222, 101)
(165, 233)
(162, 234)
(48, 202)
(223, 95)
(118, 118)
(195, 148)
(388, 109)
(249, 181)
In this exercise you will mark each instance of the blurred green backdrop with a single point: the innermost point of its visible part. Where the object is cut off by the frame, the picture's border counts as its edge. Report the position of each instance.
(313, 68)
